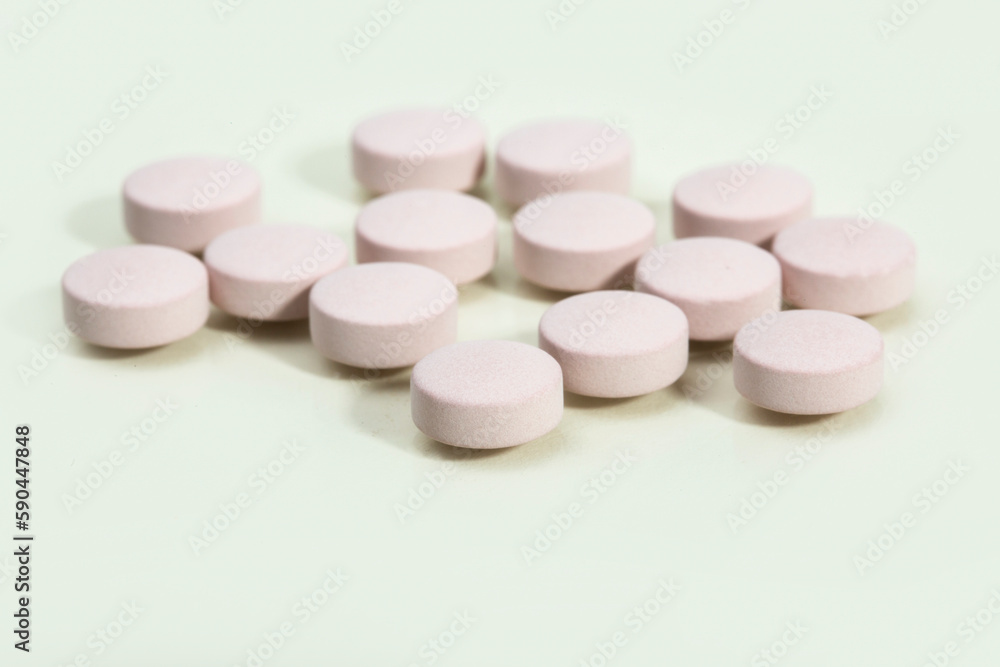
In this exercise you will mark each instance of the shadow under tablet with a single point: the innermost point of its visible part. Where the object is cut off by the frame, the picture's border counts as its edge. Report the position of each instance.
(708, 382)
(288, 341)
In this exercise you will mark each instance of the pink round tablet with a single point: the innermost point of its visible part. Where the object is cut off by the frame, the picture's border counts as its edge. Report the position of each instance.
(808, 362)
(747, 204)
(486, 394)
(582, 241)
(839, 264)
(135, 296)
(613, 344)
(450, 232)
(562, 155)
(382, 315)
(418, 148)
(186, 202)
(266, 271)
(720, 284)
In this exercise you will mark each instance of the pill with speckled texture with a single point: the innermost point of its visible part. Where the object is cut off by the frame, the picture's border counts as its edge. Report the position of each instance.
(846, 265)
(725, 201)
(264, 272)
(486, 394)
(418, 148)
(808, 362)
(383, 314)
(614, 344)
(582, 241)
(562, 155)
(186, 202)
(450, 232)
(719, 283)
(135, 296)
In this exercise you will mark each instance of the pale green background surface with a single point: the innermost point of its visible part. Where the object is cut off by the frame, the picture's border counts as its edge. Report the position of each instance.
(696, 458)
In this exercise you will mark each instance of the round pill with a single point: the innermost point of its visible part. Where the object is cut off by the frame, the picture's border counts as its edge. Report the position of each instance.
(265, 271)
(486, 394)
(418, 148)
(561, 155)
(135, 296)
(808, 362)
(837, 264)
(582, 241)
(382, 315)
(186, 202)
(726, 201)
(613, 344)
(720, 284)
(450, 232)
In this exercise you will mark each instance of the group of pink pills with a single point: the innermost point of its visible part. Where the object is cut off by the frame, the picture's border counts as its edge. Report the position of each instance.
(744, 246)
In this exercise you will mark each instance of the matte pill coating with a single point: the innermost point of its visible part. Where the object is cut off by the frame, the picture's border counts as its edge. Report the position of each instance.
(382, 315)
(843, 265)
(486, 394)
(582, 241)
(720, 284)
(726, 201)
(418, 148)
(135, 296)
(808, 362)
(186, 202)
(264, 272)
(562, 155)
(450, 232)
(613, 344)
